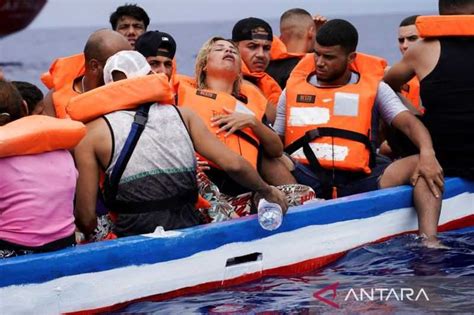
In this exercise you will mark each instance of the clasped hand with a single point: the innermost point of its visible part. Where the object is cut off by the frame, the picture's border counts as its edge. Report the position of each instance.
(233, 121)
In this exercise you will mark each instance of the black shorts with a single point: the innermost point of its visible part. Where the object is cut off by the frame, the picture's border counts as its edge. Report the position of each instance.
(8, 249)
(347, 183)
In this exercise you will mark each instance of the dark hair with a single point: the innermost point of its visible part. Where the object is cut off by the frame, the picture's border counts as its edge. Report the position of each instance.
(10, 103)
(294, 12)
(30, 93)
(447, 7)
(132, 10)
(409, 20)
(338, 32)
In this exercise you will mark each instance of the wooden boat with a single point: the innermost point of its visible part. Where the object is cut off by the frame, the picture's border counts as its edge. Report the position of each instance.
(106, 276)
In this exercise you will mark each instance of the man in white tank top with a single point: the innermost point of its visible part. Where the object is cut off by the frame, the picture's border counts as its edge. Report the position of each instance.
(97, 152)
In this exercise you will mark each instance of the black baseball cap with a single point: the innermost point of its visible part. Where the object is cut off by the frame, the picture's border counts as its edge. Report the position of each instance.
(244, 30)
(149, 43)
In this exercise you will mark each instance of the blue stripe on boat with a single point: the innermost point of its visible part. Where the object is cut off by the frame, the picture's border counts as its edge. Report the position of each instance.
(139, 250)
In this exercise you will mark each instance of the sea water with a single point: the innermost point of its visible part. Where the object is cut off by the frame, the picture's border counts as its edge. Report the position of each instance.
(394, 277)
(32, 50)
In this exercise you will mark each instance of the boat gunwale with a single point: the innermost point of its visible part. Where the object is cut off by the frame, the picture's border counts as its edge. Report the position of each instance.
(102, 256)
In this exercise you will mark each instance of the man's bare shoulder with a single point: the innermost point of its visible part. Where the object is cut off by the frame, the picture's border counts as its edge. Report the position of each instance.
(420, 47)
(97, 124)
(98, 140)
(423, 56)
(97, 130)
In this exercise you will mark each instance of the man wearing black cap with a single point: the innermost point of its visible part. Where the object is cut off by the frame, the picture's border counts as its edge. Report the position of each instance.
(159, 49)
(254, 39)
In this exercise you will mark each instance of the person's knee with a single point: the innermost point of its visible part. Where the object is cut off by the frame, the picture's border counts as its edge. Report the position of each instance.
(399, 172)
(285, 160)
(277, 171)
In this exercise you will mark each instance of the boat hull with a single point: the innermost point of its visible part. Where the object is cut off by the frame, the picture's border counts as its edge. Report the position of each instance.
(15, 15)
(105, 276)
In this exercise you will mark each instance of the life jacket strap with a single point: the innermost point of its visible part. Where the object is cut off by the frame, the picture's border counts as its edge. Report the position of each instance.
(327, 180)
(111, 183)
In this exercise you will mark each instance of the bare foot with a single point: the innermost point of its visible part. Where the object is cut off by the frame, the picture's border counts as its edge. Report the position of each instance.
(432, 242)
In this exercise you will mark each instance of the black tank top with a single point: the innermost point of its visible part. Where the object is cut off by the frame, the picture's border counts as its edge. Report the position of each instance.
(447, 94)
(280, 69)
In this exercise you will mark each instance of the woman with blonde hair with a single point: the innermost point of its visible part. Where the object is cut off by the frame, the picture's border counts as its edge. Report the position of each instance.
(202, 61)
(234, 110)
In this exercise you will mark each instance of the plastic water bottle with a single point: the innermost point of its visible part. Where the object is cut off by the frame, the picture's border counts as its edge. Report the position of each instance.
(270, 215)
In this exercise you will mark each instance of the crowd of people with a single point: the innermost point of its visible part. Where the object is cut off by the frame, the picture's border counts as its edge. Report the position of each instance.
(286, 118)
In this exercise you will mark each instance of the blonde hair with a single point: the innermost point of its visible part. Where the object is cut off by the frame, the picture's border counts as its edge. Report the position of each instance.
(201, 63)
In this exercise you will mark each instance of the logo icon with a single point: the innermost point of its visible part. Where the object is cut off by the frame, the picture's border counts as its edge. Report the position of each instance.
(305, 98)
(332, 287)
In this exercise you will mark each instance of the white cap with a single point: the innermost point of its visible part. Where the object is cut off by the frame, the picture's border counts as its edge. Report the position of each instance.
(130, 62)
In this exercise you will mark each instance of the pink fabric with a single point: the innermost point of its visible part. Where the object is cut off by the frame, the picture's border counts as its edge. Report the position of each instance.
(36, 198)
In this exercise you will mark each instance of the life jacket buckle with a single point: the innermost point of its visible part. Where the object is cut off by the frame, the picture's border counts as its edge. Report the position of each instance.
(141, 117)
(313, 134)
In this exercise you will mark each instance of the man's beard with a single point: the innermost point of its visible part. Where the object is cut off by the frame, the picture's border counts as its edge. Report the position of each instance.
(334, 76)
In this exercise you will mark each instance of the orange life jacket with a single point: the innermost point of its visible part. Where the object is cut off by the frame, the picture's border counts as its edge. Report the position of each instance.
(38, 134)
(177, 79)
(279, 50)
(120, 95)
(207, 104)
(331, 127)
(60, 77)
(411, 91)
(445, 25)
(64, 70)
(265, 83)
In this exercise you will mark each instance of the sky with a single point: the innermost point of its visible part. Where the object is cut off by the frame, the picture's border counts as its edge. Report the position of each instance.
(62, 13)
(192, 22)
